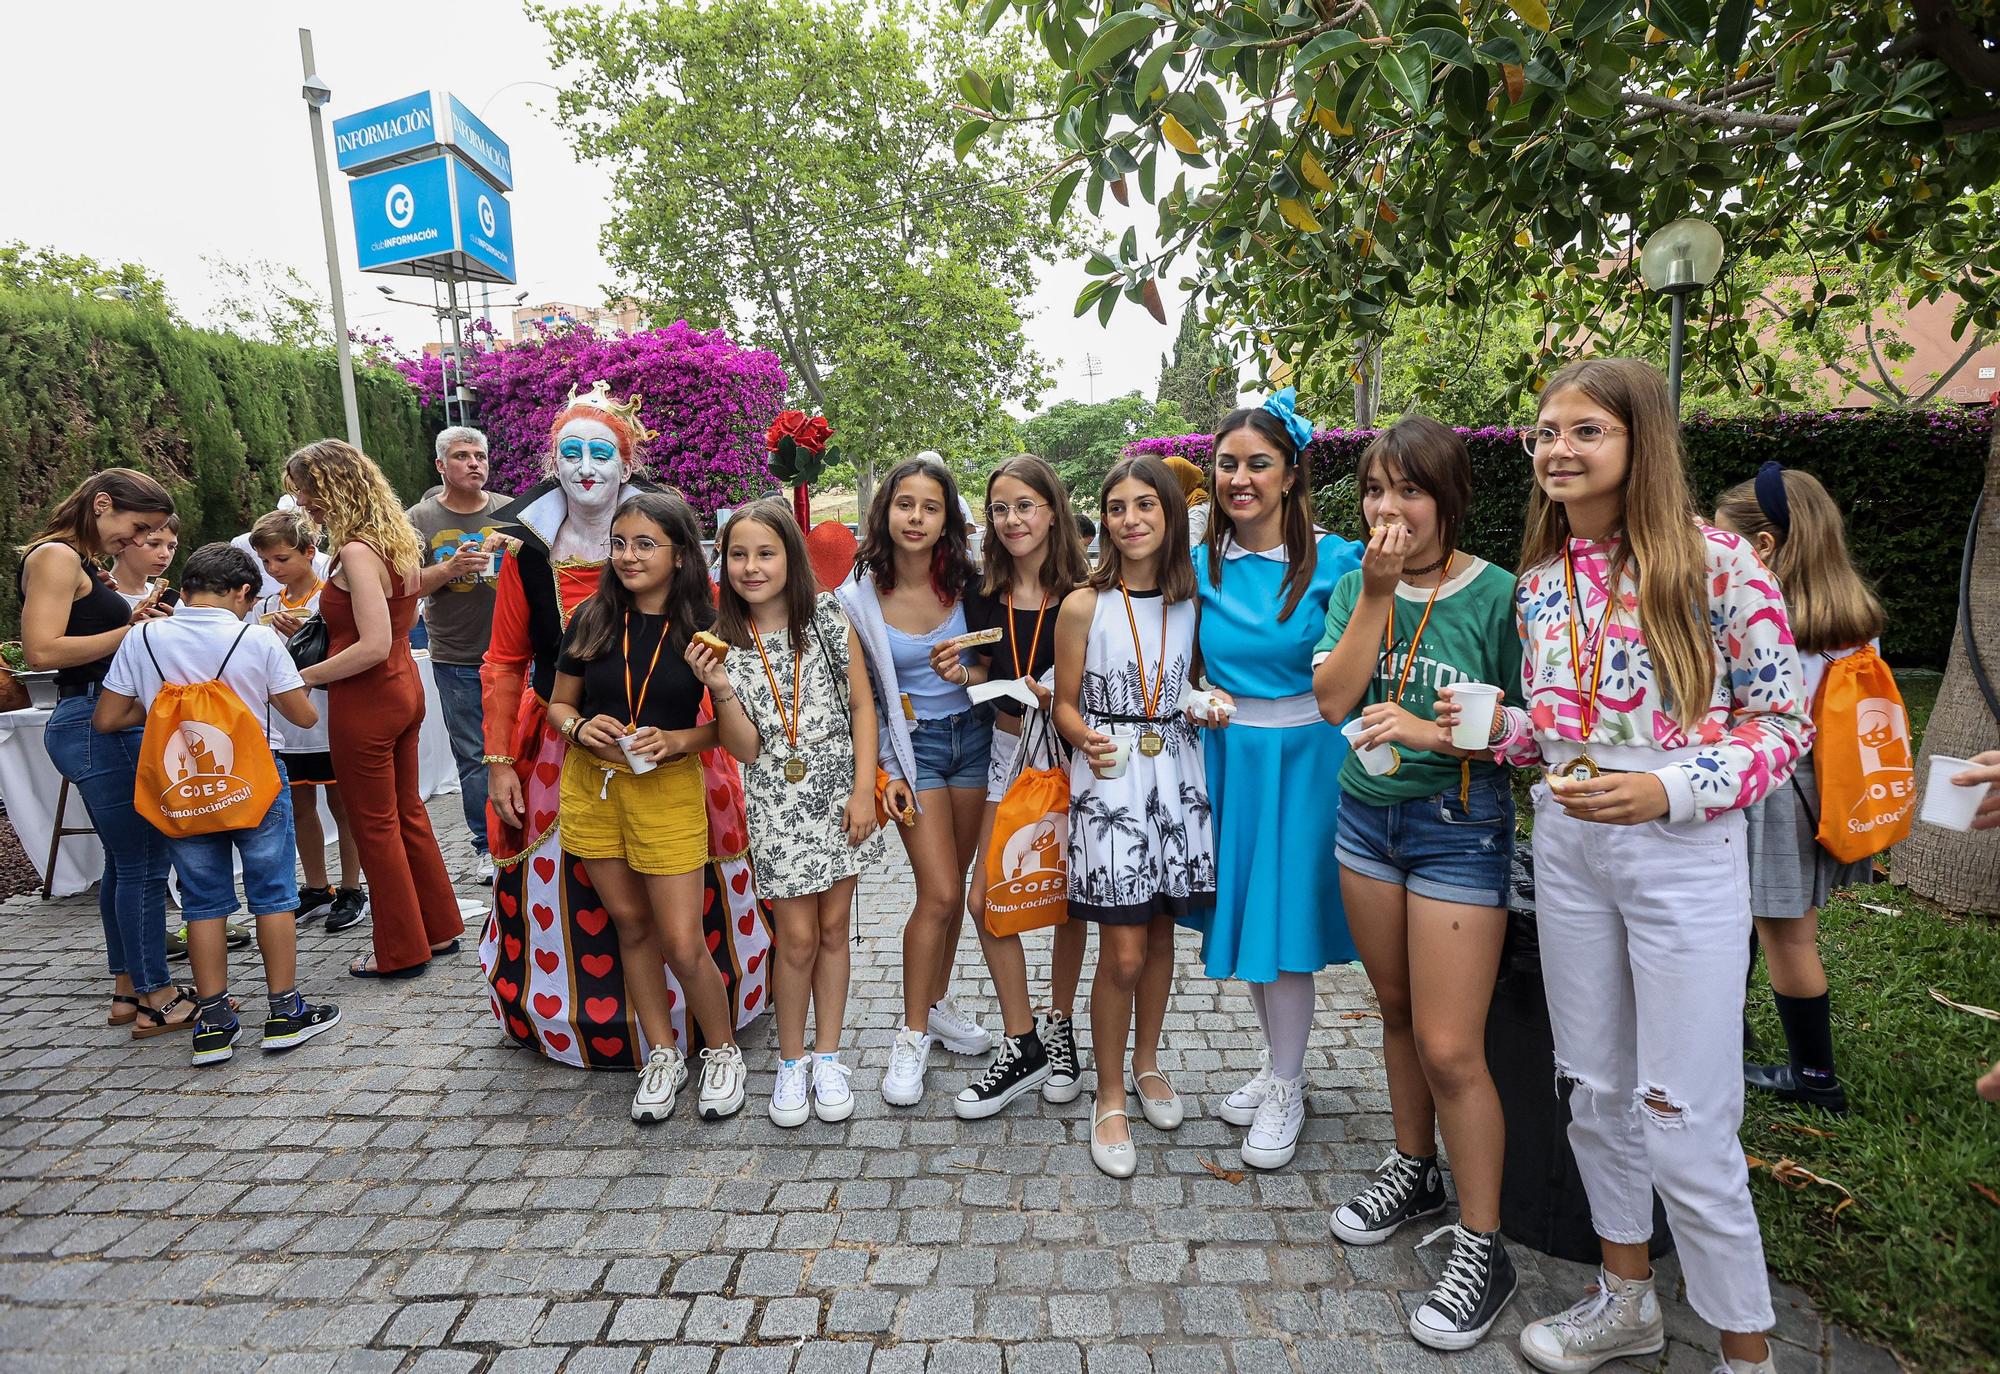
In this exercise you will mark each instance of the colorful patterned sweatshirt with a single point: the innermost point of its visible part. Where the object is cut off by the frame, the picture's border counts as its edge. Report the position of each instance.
(1757, 723)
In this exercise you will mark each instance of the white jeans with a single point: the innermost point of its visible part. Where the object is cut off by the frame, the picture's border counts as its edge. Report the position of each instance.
(1645, 936)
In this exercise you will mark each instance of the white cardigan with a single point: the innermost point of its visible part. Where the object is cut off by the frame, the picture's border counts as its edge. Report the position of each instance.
(863, 605)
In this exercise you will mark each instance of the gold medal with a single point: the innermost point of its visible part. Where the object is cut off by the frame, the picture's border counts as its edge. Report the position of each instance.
(795, 770)
(1395, 761)
(1150, 744)
(1582, 768)
(795, 767)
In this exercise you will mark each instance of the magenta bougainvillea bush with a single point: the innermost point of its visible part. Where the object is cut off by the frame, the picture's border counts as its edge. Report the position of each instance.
(710, 399)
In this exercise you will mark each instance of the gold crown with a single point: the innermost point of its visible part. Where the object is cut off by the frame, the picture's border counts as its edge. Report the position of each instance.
(599, 397)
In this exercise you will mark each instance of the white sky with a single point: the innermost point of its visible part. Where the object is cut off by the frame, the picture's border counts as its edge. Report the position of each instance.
(158, 133)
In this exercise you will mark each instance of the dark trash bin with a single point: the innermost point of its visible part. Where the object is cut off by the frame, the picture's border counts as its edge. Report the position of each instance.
(1542, 1202)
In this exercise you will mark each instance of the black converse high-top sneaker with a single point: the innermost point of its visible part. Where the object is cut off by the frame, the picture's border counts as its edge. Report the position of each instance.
(1059, 1038)
(1404, 1189)
(1020, 1064)
(1476, 1283)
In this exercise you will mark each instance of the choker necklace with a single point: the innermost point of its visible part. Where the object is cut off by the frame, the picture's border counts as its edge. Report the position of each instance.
(1427, 568)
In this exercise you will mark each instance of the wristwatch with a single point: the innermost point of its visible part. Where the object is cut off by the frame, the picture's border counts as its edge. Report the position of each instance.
(570, 727)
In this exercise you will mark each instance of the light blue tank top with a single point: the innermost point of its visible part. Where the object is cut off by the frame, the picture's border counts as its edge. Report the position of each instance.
(931, 697)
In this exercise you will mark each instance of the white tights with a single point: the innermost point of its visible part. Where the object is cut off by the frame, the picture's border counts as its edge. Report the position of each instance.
(1285, 1011)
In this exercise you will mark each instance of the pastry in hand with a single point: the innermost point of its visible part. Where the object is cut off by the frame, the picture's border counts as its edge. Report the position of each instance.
(715, 642)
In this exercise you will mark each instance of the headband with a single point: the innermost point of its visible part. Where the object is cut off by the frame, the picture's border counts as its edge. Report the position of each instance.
(1771, 497)
(1283, 405)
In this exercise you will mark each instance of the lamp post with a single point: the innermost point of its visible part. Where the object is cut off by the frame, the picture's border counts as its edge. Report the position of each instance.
(1678, 260)
(316, 94)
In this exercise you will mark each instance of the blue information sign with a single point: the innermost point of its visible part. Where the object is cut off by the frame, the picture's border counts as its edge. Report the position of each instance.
(485, 223)
(419, 126)
(432, 218)
(478, 144)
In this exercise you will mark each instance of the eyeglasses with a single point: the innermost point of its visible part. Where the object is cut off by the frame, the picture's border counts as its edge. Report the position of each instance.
(1022, 510)
(642, 546)
(1582, 438)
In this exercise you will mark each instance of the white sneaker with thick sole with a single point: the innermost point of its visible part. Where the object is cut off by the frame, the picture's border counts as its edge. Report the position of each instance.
(1240, 1107)
(1274, 1134)
(722, 1078)
(1616, 1319)
(660, 1077)
(958, 1031)
(833, 1100)
(909, 1057)
(482, 870)
(791, 1100)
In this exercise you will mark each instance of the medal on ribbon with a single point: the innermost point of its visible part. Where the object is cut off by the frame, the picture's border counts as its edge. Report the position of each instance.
(795, 766)
(1583, 767)
(1151, 741)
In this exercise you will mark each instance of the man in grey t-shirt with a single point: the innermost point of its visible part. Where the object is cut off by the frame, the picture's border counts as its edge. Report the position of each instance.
(458, 587)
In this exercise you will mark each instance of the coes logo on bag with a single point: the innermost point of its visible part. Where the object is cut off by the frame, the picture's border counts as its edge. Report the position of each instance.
(1033, 865)
(1862, 757)
(199, 761)
(1888, 773)
(204, 763)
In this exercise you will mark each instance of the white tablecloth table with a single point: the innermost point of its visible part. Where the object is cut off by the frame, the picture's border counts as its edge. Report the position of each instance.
(29, 785)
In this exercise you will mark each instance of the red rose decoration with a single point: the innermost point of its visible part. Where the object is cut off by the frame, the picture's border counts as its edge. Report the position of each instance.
(808, 432)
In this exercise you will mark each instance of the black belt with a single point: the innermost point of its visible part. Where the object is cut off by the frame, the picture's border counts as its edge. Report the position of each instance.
(66, 690)
(1127, 720)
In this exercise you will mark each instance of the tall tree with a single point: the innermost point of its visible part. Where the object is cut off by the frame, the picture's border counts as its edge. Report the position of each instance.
(786, 169)
(1082, 441)
(1200, 377)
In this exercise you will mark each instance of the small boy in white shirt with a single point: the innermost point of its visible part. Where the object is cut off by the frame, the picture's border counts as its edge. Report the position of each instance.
(204, 640)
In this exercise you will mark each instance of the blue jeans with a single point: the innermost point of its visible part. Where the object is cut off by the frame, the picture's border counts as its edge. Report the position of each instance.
(1437, 847)
(458, 693)
(206, 864)
(132, 895)
(952, 751)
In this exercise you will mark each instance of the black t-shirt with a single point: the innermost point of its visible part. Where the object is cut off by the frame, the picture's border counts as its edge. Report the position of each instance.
(99, 610)
(670, 703)
(1018, 634)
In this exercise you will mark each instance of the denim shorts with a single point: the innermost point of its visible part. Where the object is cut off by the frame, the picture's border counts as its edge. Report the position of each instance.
(1435, 847)
(206, 864)
(953, 751)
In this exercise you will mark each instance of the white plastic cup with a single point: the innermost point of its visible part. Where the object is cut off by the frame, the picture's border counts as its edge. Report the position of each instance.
(640, 763)
(493, 563)
(1121, 743)
(1476, 703)
(1376, 759)
(1945, 805)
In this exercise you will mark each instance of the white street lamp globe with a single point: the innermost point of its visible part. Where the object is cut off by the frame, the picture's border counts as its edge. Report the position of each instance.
(1681, 256)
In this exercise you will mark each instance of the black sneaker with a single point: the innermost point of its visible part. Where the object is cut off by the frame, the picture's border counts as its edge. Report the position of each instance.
(350, 907)
(215, 1043)
(1059, 1041)
(1783, 1082)
(1404, 1189)
(285, 1032)
(1020, 1064)
(1478, 1280)
(314, 902)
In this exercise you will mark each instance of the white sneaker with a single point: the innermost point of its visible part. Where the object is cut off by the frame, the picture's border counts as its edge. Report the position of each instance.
(1763, 1366)
(722, 1075)
(660, 1077)
(833, 1100)
(482, 870)
(789, 1099)
(1616, 1319)
(1274, 1133)
(957, 1031)
(909, 1056)
(1240, 1107)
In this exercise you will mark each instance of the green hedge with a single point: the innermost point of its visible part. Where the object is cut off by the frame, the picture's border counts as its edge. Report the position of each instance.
(1905, 479)
(88, 384)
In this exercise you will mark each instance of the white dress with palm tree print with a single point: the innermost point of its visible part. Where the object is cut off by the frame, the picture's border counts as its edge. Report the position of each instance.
(1139, 845)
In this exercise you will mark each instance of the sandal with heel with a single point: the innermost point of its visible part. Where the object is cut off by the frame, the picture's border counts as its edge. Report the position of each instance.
(124, 1015)
(152, 1021)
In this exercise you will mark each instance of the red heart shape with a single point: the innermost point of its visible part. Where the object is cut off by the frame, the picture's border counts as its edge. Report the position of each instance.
(754, 996)
(547, 1006)
(592, 920)
(673, 999)
(547, 960)
(512, 944)
(545, 869)
(507, 902)
(556, 1040)
(740, 880)
(601, 1008)
(507, 989)
(731, 842)
(707, 901)
(548, 773)
(755, 960)
(714, 940)
(610, 1046)
(545, 916)
(747, 922)
(718, 798)
(597, 965)
(543, 820)
(582, 874)
(519, 1028)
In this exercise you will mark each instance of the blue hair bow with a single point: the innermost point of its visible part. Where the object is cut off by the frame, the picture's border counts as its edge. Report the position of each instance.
(1283, 405)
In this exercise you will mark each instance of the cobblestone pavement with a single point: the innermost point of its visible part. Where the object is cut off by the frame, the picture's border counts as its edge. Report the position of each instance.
(410, 1193)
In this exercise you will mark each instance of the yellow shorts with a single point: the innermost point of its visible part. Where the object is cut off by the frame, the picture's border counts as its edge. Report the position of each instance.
(656, 822)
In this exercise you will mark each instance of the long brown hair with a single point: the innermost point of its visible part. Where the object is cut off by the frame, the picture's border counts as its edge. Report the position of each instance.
(1176, 560)
(1826, 600)
(1301, 539)
(732, 619)
(74, 522)
(595, 626)
(951, 556)
(1065, 565)
(1663, 539)
(358, 502)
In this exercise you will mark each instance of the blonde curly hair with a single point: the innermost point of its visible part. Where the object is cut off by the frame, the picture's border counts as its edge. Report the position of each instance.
(356, 500)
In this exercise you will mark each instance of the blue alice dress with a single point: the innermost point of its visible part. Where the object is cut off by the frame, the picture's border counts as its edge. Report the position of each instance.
(1272, 773)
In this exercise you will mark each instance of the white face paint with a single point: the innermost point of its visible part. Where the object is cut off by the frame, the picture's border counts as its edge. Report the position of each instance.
(589, 468)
